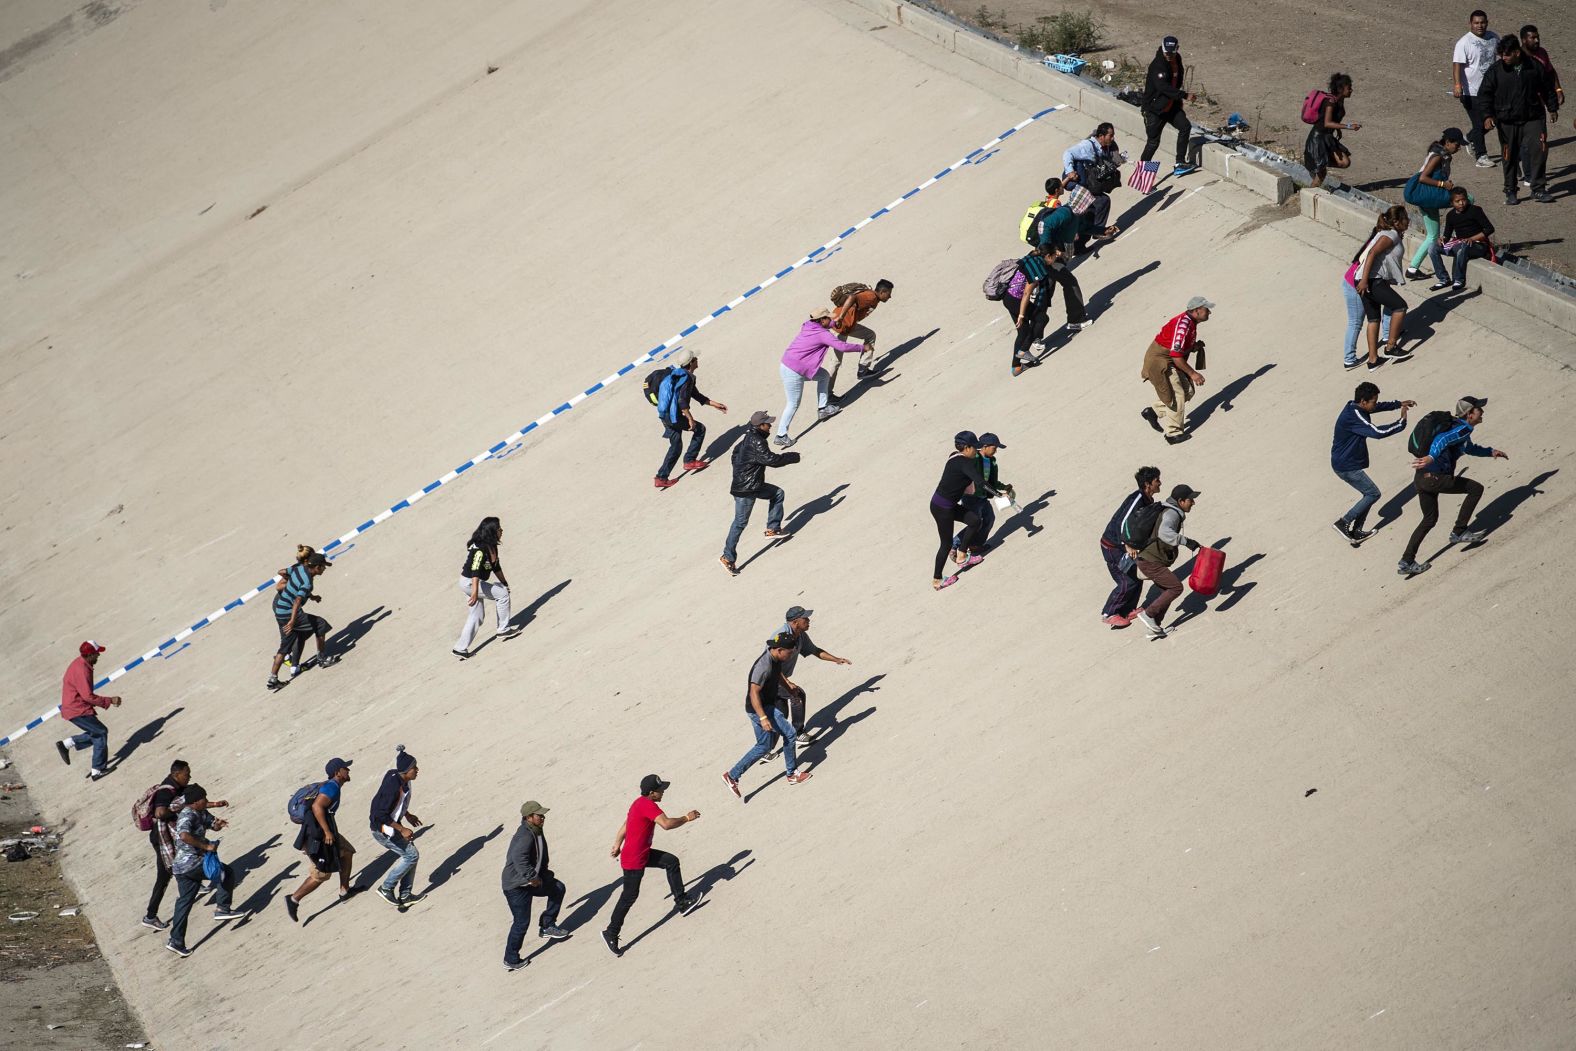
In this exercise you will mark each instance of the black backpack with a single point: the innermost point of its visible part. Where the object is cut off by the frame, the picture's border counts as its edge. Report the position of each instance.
(654, 384)
(1102, 175)
(1140, 526)
(1032, 235)
(1431, 426)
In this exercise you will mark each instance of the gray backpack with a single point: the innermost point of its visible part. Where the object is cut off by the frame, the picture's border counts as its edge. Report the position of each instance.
(1000, 277)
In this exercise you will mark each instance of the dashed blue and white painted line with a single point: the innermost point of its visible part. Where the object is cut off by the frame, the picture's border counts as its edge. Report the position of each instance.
(661, 350)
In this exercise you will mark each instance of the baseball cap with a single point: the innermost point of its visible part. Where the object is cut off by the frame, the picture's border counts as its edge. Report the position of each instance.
(1468, 403)
(795, 612)
(88, 648)
(333, 766)
(1184, 492)
(989, 438)
(965, 438)
(783, 640)
(1169, 44)
(531, 807)
(1452, 135)
(684, 358)
(1199, 301)
(820, 314)
(761, 416)
(651, 783)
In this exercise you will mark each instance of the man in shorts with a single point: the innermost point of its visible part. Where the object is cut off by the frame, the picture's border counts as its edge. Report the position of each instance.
(320, 841)
(296, 625)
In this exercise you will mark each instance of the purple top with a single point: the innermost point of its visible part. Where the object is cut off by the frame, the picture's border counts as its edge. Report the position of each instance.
(805, 354)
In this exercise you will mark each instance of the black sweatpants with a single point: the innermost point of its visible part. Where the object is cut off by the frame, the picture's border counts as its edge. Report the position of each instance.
(1033, 327)
(1429, 487)
(1154, 124)
(1523, 149)
(970, 539)
(657, 859)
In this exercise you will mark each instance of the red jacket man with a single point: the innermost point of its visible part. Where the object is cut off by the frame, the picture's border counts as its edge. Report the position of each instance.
(77, 704)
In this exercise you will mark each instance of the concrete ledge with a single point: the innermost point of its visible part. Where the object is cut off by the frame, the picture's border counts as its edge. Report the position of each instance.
(1260, 178)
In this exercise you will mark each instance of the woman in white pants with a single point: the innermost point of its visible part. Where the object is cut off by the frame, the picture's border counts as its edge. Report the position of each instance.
(481, 562)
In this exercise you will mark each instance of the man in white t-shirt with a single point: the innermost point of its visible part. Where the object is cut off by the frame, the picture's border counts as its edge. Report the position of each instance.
(1474, 54)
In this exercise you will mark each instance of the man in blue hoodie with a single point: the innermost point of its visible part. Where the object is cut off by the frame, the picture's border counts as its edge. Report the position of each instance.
(676, 393)
(1349, 453)
(1436, 473)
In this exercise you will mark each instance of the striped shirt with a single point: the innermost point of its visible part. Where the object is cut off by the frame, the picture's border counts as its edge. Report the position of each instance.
(298, 585)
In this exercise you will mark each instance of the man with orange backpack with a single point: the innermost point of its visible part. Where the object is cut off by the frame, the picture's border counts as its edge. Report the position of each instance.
(853, 303)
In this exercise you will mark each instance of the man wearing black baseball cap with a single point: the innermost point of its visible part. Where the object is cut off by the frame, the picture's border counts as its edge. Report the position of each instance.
(635, 854)
(1163, 99)
(1157, 557)
(796, 623)
(1436, 473)
(319, 838)
(767, 694)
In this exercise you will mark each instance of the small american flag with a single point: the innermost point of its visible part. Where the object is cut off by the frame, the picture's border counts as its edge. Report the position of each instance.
(1144, 175)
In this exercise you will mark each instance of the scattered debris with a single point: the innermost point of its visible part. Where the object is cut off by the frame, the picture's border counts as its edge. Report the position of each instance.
(74, 910)
(1308, 793)
(260, 210)
(491, 70)
(22, 916)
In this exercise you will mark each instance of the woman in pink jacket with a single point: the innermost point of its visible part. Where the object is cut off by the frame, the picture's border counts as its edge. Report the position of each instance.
(801, 362)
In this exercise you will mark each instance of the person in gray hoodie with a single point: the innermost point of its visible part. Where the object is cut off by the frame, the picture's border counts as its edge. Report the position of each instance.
(526, 876)
(1157, 557)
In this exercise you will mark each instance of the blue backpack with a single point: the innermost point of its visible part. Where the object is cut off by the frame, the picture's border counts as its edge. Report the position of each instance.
(302, 801)
(668, 394)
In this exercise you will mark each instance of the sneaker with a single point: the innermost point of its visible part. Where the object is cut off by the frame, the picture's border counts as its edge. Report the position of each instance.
(802, 740)
(1350, 365)
(1184, 169)
(1485, 161)
(274, 684)
(663, 483)
(782, 441)
(834, 399)
(1414, 274)
(1527, 184)
(407, 900)
(733, 786)
(696, 465)
(153, 923)
(1079, 326)
(514, 965)
(1412, 569)
(799, 777)
(289, 670)
(1395, 351)
(509, 632)
(1115, 621)
(1468, 536)
(1154, 629)
(865, 372)
(329, 661)
(1543, 197)
(178, 950)
(1511, 200)
(1374, 365)
(1359, 534)
(387, 894)
(1471, 151)
(461, 654)
(828, 412)
(727, 563)
(229, 914)
(689, 904)
(1457, 286)
(553, 932)
(293, 907)
(1439, 286)
(1344, 528)
(65, 753)
(611, 941)
(1177, 439)
(94, 775)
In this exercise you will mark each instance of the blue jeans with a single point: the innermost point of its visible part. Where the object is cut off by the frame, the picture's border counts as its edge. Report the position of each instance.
(742, 506)
(403, 871)
(1460, 256)
(675, 438)
(93, 733)
(519, 899)
(1360, 481)
(1354, 322)
(763, 742)
(187, 886)
(793, 386)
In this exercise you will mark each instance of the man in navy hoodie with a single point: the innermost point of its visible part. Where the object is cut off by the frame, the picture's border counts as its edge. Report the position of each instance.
(1349, 453)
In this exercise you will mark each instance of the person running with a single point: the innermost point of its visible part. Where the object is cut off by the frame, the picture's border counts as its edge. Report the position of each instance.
(190, 868)
(1027, 299)
(1157, 557)
(1378, 273)
(1436, 474)
(163, 808)
(1516, 94)
(291, 595)
(1473, 55)
(77, 704)
(1050, 222)
(802, 361)
(526, 875)
(858, 303)
(1166, 369)
(1532, 47)
(751, 457)
(481, 562)
(321, 841)
(674, 396)
(635, 855)
(1429, 193)
(1349, 453)
(1120, 560)
(766, 701)
(1082, 163)
(1324, 149)
(390, 808)
(1468, 232)
(1163, 99)
(990, 469)
(796, 624)
(961, 475)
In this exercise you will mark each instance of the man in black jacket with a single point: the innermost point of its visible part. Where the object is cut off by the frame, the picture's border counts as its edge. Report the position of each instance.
(1163, 99)
(751, 457)
(390, 808)
(1515, 93)
(526, 876)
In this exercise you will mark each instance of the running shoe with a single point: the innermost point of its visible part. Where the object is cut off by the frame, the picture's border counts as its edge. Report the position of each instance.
(1150, 625)
(229, 914)
(1439, 286)
(514, 965)
(329, 661)
(733, 786)
(65, 753)
(293, 907)
(1350, 365)
(407, 900)
(178, 950)
(1485, 161)
(1115, 621)
(828, 412)
(153, 923)
(727, 563)
(1184, 169)
(799, 777)
(552, 932)
(1543, 197)
(1079, 326)
(387, 894)
(696, 465)
(461, 654)
(664, 483)
(274, 684)
(1468, 536)
(782, 441)
(690, 903)
(611, 942)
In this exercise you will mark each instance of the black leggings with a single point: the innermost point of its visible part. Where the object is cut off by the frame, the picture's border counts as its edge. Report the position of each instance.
(944, 519)
(657, 859)
(1033, 327)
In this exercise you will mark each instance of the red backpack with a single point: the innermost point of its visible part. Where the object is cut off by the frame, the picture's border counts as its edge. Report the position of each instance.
(1313, 105)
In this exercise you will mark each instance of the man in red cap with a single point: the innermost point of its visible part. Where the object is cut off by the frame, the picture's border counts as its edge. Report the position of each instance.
(77, 701)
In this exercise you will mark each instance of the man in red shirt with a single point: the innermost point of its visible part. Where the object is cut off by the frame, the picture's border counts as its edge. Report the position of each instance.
(1167, 370)
(635, 854)
(77, 701)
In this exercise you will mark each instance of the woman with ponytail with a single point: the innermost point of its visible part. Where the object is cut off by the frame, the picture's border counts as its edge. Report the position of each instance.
(293, 592)
(1377, 272)
(481, 562)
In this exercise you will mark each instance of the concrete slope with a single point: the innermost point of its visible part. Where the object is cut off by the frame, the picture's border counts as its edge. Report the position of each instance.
(1024, 829)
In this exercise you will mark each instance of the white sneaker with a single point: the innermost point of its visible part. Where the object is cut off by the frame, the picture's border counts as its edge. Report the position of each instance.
(1079, 326)
(1154, 629)
(1485, 161)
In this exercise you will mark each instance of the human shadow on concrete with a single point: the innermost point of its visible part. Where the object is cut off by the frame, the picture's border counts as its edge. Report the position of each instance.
(1517, 247)
(1223, 399)
(144, 734)
(1500, 510)
(264, 893)
(523, 617)
(707, 882)
(1422, 321)
(1022, 519)
(768, 546)
(1230, 591)
(1157, 199)
(1103, 300)
(882, 375)
(1391, 509)
(449, 866)
(723, 443)
(802, 515)
(344, 640)
(828, 724)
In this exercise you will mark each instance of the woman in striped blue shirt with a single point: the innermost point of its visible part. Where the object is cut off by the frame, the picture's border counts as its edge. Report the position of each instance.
(292, 592)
